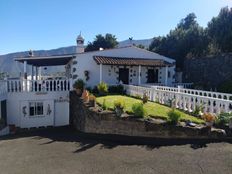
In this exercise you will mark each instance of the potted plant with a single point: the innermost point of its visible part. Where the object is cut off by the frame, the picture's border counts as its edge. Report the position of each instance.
(92, 100)
(145, 98)
(118, 107)
(209, 119)
(85, 95)
(79, 86)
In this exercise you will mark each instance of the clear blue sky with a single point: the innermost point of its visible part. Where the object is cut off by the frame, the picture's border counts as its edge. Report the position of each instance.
(46, 24)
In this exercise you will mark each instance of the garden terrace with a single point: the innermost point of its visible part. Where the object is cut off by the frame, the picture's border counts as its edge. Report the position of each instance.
(94, 120)
(154, 110)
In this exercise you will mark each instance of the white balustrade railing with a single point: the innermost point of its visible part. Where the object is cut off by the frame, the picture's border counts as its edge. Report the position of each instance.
(184, 85)
(3, 87)
(184, 98)
(38, 85)
(216, 95)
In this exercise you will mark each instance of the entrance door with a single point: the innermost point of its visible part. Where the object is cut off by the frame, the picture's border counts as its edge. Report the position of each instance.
(152, 76)
(124, 75)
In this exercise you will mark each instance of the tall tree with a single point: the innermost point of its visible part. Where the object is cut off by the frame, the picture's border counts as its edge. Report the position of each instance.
(100, 41)
(220, 31)
(186, 40)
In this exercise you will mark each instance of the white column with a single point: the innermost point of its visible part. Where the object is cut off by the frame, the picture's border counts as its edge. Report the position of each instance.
(32, 72)
(36, 73)
(40, 72)
(100, 73)
(139, 74)
(25, 69)
(166, 76)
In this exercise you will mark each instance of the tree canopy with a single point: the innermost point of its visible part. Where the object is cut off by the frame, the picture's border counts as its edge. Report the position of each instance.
(100, 41)
(220, 30)
(190, 40)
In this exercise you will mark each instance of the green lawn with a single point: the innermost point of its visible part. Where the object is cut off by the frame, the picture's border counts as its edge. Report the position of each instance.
(153, 109)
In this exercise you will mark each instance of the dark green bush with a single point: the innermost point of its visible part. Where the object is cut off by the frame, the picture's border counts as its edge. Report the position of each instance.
(226, 87)
(95, 90)
(116, 89)
(173, 116)
(79, 84)
(139, 110)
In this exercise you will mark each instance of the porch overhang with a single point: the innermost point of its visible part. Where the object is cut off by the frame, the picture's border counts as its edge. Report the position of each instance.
(129, 61)
(46, 60)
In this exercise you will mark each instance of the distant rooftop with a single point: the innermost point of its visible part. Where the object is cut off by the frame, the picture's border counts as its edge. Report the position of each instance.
(54, 60)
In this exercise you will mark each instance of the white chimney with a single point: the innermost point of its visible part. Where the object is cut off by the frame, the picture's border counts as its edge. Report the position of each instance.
(80, 44)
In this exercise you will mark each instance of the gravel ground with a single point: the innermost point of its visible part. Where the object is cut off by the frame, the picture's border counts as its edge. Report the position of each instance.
(62, 150)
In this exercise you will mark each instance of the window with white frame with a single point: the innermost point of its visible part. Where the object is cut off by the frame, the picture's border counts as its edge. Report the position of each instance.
(36, 108)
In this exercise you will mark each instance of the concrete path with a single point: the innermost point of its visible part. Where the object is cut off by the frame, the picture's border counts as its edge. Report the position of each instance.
(61, 150)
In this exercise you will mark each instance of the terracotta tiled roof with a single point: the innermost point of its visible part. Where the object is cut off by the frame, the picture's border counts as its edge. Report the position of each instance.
(129, 61)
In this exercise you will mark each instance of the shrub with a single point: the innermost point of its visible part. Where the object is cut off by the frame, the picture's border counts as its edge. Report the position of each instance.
(139, 110)
(119, 104)
(173, 116)
(208, 117)
(198, 110)
(223, 119)
(104, 106)
(95, 90)
(102, 88)
(118, 107)
(116, 89)
(145, 98)
(79, 84)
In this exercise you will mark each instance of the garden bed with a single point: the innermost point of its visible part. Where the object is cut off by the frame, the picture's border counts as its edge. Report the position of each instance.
(88, 119)
(154, 110)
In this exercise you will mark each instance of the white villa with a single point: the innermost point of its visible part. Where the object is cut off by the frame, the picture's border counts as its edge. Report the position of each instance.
(41, 101)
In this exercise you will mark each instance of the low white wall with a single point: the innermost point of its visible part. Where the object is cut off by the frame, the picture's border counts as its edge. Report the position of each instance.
(16, 102)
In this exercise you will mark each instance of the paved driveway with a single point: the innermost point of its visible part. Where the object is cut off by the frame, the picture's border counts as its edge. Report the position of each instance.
(60, 150)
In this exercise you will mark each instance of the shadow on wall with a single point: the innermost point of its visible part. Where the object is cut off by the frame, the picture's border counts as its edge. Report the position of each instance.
(88, 141)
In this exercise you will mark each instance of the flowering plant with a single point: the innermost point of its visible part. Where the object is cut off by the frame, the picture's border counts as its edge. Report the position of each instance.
(208, 117)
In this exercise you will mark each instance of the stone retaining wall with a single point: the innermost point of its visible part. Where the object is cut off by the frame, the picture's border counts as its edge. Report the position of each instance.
(89, 120)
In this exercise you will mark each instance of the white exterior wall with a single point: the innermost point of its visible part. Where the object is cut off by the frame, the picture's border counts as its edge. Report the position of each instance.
(16, 101)
(162, 75)
(85, 62)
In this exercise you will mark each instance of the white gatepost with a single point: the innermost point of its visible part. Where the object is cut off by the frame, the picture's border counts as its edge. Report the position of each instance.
(166, 76)
(100, 73)
(139, 74)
